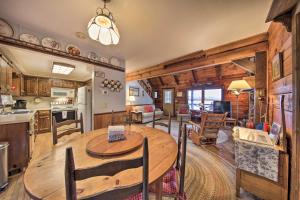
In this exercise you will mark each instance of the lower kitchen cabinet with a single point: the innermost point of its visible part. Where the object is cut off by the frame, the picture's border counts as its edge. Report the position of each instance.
(44, 121)
(17, 135)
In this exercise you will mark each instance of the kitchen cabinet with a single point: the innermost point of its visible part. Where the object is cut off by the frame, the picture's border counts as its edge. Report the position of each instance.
(44, 121)
(44, 85)
(5, 77)
(31, 86)
(17, 135)
(17, 84)
(56, 83)
(68, 84)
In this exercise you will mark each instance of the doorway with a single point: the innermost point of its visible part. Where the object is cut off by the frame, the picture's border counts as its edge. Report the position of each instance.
(168, 101)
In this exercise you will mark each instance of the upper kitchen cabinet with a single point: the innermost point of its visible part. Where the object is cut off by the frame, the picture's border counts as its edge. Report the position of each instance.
(31, 86)
(17, 84)
(68, 84)
(56, 83)
(5, 76)
(44, 85)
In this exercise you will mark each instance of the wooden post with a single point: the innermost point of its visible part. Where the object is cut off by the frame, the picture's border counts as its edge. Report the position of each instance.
(260, 84)
(295, 176)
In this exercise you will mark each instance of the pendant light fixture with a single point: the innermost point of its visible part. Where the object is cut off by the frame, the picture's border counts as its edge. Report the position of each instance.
(102, 28)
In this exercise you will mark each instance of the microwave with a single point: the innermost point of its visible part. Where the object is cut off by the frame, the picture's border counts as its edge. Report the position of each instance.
(62, 92)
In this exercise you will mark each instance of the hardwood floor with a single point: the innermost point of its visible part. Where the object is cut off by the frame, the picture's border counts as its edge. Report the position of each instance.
(15, 189)
(43, 144)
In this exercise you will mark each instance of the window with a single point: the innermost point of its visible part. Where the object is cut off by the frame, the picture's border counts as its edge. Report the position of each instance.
(167, 96)
(194, 99)
(205, 97)
(211, 95)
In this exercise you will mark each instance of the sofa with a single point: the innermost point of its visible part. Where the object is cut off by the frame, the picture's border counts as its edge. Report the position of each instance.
(145, 112)
(183, 112)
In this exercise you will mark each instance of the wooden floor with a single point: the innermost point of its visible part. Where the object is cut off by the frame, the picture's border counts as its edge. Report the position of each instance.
(16, 189)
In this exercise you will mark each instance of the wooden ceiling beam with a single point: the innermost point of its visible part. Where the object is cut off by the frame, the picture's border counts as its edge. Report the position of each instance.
(215, 56)
(194, 75)
(245, 64)
(218, 72)
(176, 79)
(161, 81)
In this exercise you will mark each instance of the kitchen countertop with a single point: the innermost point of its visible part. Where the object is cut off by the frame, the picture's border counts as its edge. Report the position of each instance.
(16, 118)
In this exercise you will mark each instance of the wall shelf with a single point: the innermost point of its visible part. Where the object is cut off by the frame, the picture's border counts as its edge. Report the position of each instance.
(39, 48)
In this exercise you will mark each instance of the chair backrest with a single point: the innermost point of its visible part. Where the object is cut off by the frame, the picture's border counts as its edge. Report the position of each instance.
(180, 129)
(181, 157)
(56, 133)
(154, 123)
(211, 123)
(108, 169)
(112, 121)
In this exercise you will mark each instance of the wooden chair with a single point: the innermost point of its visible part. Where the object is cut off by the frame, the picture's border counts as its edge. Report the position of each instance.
(154, 123)
(173, 181)
(207, 132)
(112, 121)
(58, 134)
(108, 169)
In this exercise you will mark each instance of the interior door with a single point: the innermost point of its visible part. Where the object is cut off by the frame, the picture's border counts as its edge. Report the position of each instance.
(168, 101)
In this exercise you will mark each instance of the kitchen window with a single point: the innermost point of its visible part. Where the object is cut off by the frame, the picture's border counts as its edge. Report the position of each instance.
(205, 96)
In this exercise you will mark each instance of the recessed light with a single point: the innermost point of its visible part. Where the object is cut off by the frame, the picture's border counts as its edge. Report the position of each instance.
(62, 68)
(80, 35)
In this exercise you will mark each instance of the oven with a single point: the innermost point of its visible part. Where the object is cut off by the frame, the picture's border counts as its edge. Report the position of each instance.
(63, 115)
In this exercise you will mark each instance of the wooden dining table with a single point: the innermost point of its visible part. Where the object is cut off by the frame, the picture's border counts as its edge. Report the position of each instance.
(44, 178)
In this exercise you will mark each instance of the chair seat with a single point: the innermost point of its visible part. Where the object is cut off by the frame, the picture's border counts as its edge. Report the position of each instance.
(138, 196)
(171, 188)
(170, 176)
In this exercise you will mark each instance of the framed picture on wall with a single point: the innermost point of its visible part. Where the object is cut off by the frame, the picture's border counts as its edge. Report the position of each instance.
(134, 91)
(179, 94)
(277, 66)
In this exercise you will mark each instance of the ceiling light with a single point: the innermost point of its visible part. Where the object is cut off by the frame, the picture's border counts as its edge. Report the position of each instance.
(102, 28)
(62, 68)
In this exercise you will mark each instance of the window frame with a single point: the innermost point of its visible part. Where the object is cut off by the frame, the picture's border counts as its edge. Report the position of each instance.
(203, 88)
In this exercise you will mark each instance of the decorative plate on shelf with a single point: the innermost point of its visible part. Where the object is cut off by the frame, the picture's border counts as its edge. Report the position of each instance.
(29, 38)
(93, 56)
(115, 61)
(73, 50)
(50, 43)
(104, 59)
(6, 29)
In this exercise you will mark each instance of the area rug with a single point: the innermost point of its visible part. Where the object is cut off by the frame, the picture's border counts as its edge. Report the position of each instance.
(208, 176)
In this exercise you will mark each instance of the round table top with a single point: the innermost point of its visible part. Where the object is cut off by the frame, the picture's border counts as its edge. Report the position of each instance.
(100, 146)
(44, 178)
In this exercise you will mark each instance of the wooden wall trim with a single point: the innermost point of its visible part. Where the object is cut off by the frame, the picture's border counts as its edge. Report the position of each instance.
(97, 114)
(215, 56)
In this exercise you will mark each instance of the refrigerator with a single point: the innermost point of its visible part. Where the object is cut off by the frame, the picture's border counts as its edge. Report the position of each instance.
(84, 106)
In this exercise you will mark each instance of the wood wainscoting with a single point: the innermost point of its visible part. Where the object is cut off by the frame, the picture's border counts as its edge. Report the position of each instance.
(103, 120)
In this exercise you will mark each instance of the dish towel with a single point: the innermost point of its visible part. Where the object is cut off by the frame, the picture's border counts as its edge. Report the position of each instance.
(258, 159)
(64, 114)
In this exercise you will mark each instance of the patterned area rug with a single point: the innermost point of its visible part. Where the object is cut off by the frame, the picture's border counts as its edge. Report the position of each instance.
(208, 176)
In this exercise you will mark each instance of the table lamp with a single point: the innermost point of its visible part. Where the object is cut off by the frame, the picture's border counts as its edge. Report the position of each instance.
(237, 87)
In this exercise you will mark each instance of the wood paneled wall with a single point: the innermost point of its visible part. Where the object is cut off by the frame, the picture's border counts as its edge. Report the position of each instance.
(103, 120)
(220, 75)
(280, 41)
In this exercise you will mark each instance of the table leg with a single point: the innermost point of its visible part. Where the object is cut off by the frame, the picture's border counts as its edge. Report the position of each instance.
(158, 188)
